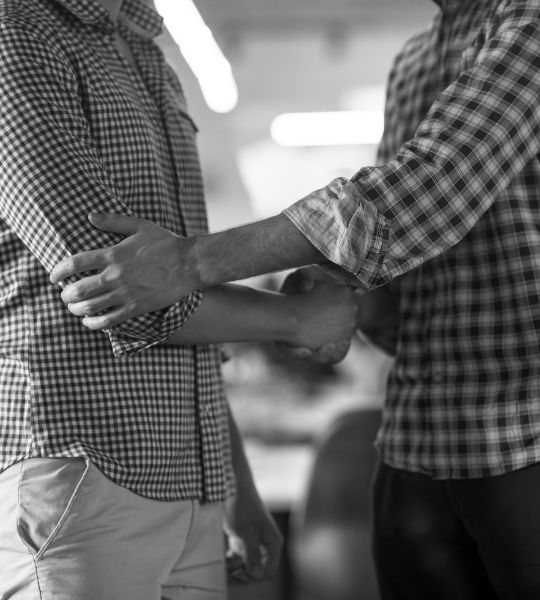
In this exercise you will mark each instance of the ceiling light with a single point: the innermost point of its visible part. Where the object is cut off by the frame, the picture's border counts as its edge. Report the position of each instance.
(201, 52)
(328, 128)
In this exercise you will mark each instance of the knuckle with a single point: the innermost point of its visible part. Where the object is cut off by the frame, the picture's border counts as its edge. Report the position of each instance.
(132, 310)
(111, 275)
(104, 322)
(79, 293)
(85, 308)
(71, 264)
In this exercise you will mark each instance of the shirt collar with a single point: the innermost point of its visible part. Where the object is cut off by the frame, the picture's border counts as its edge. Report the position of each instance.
(141, 19)
(137, 16)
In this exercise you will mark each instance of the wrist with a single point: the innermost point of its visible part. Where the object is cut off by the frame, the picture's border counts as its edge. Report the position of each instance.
(189, 271)
(208, 260)
(291, 325)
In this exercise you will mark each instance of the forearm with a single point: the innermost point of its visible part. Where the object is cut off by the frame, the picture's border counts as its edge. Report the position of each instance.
(237, 313)
(265, 246)
(240, 464)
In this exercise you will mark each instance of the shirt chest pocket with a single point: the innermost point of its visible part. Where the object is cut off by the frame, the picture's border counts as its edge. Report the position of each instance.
(186, 123)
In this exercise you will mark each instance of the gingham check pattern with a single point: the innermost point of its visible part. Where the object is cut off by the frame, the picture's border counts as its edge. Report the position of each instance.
(453, 212)
(82, 131)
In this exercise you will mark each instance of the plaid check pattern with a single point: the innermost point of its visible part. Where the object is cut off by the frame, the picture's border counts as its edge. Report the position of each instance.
(451, 218)
(81, 130)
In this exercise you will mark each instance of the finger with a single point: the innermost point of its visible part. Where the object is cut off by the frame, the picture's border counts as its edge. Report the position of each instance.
(294, 352)
(94, 305)
(272, 557)
(298, 282)
(236, 561)
(331, 353)
(110, 319)
(116, 223)
(239, 575)
(272, 547)
(305, 280)
(323, 353)
(252, 553)
(290, 284)
(236, 567)
(86, 288)
(92, 260)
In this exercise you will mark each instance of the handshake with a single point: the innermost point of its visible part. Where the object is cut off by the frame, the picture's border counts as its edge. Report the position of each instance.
(313, 318)
(328, 317)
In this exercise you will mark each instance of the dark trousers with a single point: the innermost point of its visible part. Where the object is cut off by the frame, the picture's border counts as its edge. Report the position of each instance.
(476, 539)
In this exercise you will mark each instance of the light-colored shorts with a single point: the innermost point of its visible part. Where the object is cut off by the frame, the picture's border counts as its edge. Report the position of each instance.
(67, 532)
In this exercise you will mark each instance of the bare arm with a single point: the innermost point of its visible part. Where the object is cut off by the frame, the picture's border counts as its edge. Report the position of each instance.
(265, 246)
(153, 267)
(254, 539)
(237, 313)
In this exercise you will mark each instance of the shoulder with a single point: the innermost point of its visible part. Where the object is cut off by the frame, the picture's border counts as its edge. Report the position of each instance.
(519, 10)
(30, 23)
(418, 44)
(34, 31)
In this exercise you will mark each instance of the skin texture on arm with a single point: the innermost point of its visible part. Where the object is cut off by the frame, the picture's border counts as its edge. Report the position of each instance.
(152, 268)
(272, 244)
(237, 313)
(254, 540)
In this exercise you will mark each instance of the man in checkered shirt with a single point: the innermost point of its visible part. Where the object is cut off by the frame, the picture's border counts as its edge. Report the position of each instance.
(448, 229)
(117, 449)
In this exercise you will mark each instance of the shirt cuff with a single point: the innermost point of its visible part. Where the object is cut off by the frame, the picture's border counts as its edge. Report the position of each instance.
(154, 328)
(346, 228)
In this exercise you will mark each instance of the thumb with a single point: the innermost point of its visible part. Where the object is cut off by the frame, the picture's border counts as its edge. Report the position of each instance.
(115, 223)
(298, 282)
(306, 281)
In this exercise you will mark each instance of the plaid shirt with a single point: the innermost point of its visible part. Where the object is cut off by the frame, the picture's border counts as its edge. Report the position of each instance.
(453, 212)
(81, 130)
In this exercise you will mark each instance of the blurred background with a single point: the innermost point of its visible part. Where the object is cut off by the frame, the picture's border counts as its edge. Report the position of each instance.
(268, 83)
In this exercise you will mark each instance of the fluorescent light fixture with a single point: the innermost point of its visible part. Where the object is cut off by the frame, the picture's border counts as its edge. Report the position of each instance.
(363, 97)
(328, 128)
(201, 52)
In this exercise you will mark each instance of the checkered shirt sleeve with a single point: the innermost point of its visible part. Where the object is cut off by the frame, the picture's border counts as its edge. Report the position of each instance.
(47, 153)
(479, 133)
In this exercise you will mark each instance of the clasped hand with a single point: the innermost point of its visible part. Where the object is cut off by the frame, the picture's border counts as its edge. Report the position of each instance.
(336, 318)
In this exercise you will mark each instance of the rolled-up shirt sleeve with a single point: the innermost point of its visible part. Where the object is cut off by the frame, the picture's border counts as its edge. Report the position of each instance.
(479, 134)
(51, 176)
